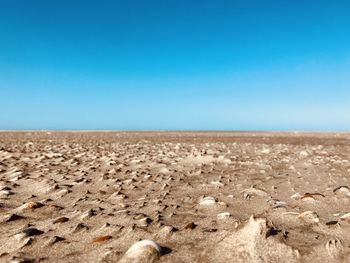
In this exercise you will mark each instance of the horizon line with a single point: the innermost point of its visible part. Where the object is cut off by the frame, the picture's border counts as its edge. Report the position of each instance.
(174, 130)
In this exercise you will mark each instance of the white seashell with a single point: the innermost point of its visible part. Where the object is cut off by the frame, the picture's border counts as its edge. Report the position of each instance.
(224, 215)
(5, 193)
(308, 199)
(296, 196)
(280, 203)
(265, 151)
(342, 190)
(207, 201)
(345, 217)
(252, 192)
(145, 251)
(164, 171)
(143, 243)
(61, 193)
(309, 217)
(145, 221)
(216, 183)
(303, 154)
(222, 204)
(87, 214)
(14, 179)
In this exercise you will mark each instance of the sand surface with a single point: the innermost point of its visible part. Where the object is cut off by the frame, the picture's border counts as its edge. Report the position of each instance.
(201, 197)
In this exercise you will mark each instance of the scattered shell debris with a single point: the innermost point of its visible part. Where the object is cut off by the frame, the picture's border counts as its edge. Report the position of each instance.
(174, 197)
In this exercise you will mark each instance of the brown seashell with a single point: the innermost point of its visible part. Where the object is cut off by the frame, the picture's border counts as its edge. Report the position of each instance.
(331, 223)
(34, 205)
(101, 239)
(191, 226)
(61, 220)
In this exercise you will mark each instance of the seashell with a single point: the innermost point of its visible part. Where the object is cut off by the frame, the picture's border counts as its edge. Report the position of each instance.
(252, 192)
(31, 231)
(33, 205)
(303, 154)
(147, 176)
(88, 214)
(55, 207)
(145, 251)
(265, 151)
(123, 205)
(55, 239)
(21, 260)
(101, 239)
(191, 226)
(222, 204)
(309, 217)
(10, 218)
(296, 196)
(5, 193)
(290, 213)
(345, 217)
(62, 219)
(307, 198)
(332, 223)
(61, 193)
(311, 196)
(216, 183)
(224, 215)
(145, 221)
(208, 201)
(164, 171)
(3, 187)
(80, 227)
(277, 203)
(167, 230)
(342, 190)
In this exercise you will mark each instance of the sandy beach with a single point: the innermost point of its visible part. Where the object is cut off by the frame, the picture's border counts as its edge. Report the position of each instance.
(193, 196)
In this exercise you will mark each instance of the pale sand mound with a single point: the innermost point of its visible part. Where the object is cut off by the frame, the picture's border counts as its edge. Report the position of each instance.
(252, 243)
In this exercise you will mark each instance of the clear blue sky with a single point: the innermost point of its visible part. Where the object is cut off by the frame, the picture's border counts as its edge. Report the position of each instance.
(207, 65)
